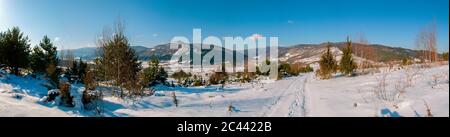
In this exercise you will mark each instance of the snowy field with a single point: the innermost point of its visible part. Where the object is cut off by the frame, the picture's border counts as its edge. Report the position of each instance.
(407, 92)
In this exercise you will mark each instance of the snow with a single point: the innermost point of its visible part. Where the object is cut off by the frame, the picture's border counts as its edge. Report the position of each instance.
(24, 105)
(336, 97)
(26, 85)
(300, 96)
(25, 96)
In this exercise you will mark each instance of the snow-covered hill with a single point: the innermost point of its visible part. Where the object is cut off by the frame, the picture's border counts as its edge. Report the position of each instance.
(307, 54)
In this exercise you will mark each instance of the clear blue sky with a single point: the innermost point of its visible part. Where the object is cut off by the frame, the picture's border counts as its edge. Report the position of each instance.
(76, 23)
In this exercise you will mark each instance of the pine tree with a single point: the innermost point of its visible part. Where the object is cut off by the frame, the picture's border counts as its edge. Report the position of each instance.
(445, 56)
(119, 62)
(50, 51)
(15, 49)
(2, 47)
(162, 75)
(44, 59)
(328, 64)
(37, 60)
(82, 69)
(77, 71)
(154, 73)
(347, 65)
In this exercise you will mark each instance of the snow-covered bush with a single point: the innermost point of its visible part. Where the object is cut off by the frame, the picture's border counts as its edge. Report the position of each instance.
(17, 96)
(54, 97)
(76, 94)
(93, 100)
(51, 95)
(90, 96)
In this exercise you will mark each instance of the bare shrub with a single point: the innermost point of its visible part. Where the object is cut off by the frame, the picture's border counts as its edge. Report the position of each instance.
(446, 77)
(429, 114)
(380, 88)
(175, 100)
(435, 80)
(230, 108)
(411, 74)
(400, 88)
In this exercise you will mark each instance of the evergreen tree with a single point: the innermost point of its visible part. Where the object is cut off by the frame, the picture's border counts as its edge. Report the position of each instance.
(347, 65)
(37, 60)
(445, 56)
(328, 64)
(77, 71)
(15, 49)
(181, 76)
(82, 70)
(154, 73)
(119, 61)
(162, 75)
(43, 56)
(50, 51)
(1, 49)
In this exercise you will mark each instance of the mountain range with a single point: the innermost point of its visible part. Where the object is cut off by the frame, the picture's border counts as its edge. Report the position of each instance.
(294, 53)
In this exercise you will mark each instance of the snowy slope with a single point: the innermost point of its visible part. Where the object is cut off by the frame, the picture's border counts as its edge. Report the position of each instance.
(26, 106)
(338, 96)
(304, 95)
(20, 97)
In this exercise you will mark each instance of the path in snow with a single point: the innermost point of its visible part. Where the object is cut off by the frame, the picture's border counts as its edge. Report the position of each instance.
(290, 101)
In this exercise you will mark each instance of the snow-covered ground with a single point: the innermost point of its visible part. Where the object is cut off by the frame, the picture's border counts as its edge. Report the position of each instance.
(304, 95)
(355, 96)
(268, 98)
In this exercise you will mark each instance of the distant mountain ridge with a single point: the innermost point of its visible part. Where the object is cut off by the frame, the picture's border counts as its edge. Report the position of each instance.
(383, 53)
(90, 53)
(290, 53)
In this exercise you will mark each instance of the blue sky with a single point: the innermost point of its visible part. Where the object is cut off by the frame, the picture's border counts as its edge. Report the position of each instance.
(77, 23)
